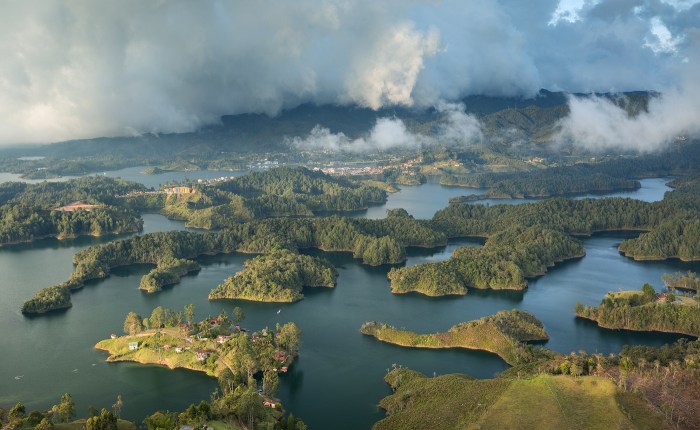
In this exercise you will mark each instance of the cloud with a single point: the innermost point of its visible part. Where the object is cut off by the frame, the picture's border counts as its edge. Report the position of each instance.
(596, 123)
(80, 68)
(456, 128)
(387, 134)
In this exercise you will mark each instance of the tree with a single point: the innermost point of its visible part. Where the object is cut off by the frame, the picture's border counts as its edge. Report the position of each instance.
(160, 421)
(104, 421)
(157, 318)
(189, 314)
(92, 411)
(290, 338)
(237, 316)
(17, 412)
(649, 293)
(44, 424)
(270, 381)
(117, 406)
(133, 324)
(65, 409)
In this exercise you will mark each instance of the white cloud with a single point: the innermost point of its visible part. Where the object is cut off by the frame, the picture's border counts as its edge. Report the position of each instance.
(387, 134)
(80, 68)
(663, 41)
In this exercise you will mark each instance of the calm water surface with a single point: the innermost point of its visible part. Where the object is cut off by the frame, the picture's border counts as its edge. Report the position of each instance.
(337, 381)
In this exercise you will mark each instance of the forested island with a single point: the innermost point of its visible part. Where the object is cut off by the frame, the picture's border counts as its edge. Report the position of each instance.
(505, 260)
(523, 240)
(84, 206)
(502, 333)
(276, 277)
(646, 310)
(280, 192)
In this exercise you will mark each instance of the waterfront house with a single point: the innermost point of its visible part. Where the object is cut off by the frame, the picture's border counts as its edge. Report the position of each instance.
(113, 336)
(269, 403)
(133, 346)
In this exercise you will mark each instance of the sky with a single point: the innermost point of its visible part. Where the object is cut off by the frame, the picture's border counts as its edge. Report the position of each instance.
(81, 68)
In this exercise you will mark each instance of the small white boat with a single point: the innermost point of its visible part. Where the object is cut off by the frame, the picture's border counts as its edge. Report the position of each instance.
(19, 377)
(279, 311)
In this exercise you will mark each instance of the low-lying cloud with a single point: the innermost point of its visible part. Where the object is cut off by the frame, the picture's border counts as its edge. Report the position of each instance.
(598, 124)
(387, 134)
(456, 129)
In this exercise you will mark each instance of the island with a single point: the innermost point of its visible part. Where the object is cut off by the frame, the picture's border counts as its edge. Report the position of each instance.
(645, 310)
(504, 262)
(553, 181)
(276, 277)
(502, 334)
(83, 206)
(210, 346)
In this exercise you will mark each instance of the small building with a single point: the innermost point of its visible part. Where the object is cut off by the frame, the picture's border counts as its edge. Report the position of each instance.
(201, 355)
(269, 403)
(113, 336)
(222, 339)
(279, 355)
(284, 369)
(167, 347)
(178, 349)
(179, 190)
(133, 346)
(661, 298)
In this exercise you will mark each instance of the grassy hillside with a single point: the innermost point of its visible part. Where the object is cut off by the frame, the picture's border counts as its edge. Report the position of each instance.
(501, 334)
(542, 402)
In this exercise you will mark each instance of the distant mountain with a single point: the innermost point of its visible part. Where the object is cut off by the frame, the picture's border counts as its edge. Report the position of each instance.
(533, 119)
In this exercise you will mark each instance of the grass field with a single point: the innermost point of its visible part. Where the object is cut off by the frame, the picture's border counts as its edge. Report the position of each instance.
(500, 333)
(542, 402)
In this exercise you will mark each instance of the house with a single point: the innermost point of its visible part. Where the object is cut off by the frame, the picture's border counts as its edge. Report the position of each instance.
(113, 336)
(133, 346)
(269, 403)
(201, 355)
(279, 355)
(661, 298)
(167, 347)
(215, 321)
(284, 369)
(222, 339)
(179, 349)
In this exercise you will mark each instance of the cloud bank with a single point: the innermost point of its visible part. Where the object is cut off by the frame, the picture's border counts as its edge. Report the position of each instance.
(80, 68)
(456, 129)
(598, 124)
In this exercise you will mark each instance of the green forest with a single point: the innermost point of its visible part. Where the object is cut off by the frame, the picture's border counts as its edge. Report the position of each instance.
(276, 277)
(643, 311)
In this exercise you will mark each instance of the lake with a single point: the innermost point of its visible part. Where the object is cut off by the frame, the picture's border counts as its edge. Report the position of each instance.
(337, 380)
